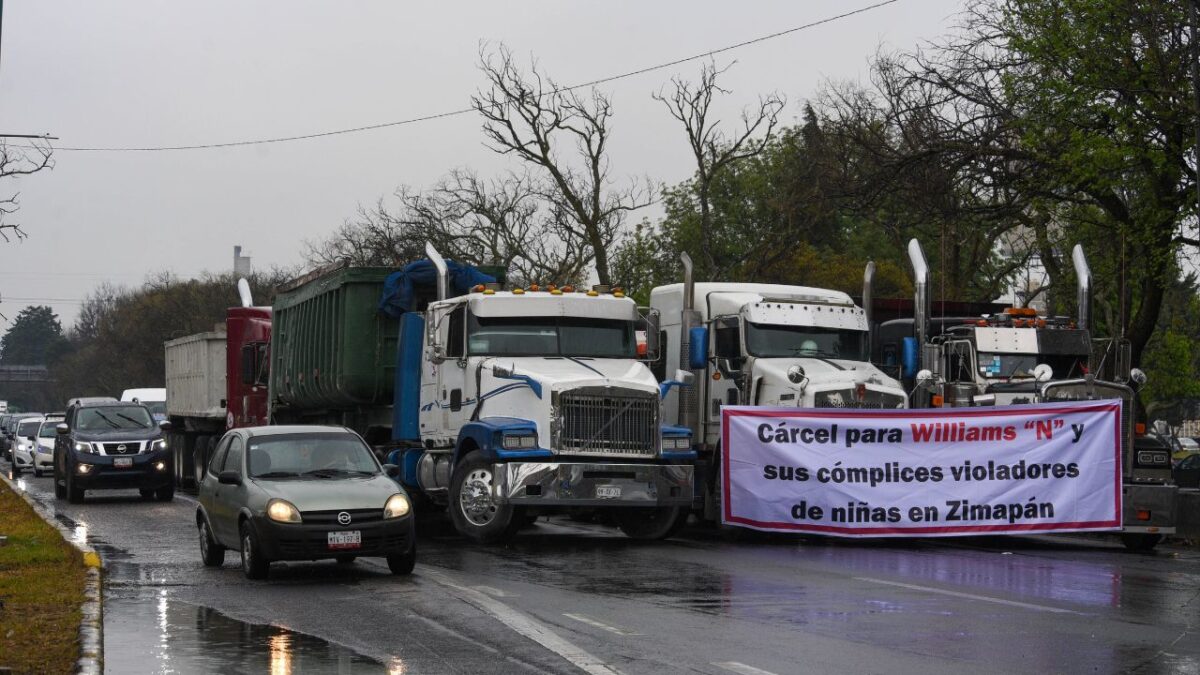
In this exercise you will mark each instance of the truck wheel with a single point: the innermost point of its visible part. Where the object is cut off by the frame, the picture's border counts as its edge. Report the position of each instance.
(1140, 542)
(652, 523)
(254, 565)
(200, 458)
(212, 553)
(475, 514)
(186, 479)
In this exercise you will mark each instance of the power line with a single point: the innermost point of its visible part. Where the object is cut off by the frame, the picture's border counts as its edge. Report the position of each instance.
(464, 111)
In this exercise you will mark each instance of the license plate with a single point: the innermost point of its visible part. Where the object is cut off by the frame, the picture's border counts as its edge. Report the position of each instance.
(608, 491)
(122, 462)
(346, 539)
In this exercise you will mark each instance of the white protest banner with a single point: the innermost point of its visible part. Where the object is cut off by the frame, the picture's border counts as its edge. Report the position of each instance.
(940, 472)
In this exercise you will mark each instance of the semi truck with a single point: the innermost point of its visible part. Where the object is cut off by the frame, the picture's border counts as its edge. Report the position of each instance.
(763, 345)
(1018, 356)
(497, 405)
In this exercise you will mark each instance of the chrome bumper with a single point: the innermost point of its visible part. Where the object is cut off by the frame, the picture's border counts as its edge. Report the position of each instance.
(1159, 500)
(592, 484)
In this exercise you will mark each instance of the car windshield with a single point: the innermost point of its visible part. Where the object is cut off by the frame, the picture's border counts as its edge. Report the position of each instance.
(773, 341)
(47, 430)
(27, 429)
(552, 336)
(113, 417)
(1018, 366)
(310, 456)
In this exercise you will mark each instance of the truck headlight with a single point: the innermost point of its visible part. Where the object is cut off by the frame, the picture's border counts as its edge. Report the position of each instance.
(155, 446)
(282, 511)
(397, 506)
(1152, 458)
(519, 441)
(676, 442)
(84, 447)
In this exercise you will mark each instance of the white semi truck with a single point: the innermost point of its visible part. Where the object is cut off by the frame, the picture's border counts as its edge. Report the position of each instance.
(763, 345)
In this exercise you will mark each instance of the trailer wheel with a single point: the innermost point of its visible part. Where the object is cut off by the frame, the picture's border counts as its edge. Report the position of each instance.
(651, 523)
(1140, 542)
(475, 514)
(186, 479)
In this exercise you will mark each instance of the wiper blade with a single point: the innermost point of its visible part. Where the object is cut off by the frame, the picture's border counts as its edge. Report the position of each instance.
(276, 474)
(137, 422)
(322, 473)
(108, 419)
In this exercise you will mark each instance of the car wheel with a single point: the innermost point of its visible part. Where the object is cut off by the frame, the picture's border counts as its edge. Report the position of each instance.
(74, 493)
(60, 490)
(146, 494)
(346, 559)
(648, 524)
(37, 473)
(165, 494)
(212, 553)
(403, 563)
(254, 565)
(475, 514)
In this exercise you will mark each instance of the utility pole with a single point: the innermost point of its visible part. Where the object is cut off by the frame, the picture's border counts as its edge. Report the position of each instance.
(44, 137)
(1195, 52)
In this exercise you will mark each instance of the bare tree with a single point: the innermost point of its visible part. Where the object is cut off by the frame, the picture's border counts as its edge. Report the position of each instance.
(20, 161)
(530, 117)
(712, 148)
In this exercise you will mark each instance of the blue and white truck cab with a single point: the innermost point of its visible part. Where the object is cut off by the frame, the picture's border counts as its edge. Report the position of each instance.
(516, 403)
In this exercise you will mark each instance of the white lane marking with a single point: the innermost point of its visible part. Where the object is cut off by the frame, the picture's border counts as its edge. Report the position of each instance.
(969, 596)
(523, 624)
(741, 668)
(592, 622)
(495, 592)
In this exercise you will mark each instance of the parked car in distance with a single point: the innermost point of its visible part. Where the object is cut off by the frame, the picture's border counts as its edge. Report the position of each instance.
(23, 444)
(302, 493)
(1187, 472)
(106, 444)
(1184, 447)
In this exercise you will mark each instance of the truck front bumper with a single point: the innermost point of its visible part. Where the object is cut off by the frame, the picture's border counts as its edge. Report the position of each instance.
(592, 484)
(1148, 508)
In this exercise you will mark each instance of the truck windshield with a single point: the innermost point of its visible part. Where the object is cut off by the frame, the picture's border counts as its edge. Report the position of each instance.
(551, 336)
(309, 456)
(773, 341)
(113, 417)
(1020, 366)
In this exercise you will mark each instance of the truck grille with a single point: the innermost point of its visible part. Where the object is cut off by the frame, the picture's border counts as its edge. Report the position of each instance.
(126, 448)
(601, 421)
(1078, 391)
(846, 398)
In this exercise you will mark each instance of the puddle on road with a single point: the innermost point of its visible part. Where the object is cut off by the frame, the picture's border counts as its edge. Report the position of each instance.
(153, 633)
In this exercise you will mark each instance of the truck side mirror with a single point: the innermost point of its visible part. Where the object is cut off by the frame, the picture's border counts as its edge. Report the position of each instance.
(247, 362)
(653, 346)
(698, 348)
(909, 358)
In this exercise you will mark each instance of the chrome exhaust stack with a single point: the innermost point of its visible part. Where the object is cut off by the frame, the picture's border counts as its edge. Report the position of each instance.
(921, 300)
(243, 288)
(867, 298)
(1083, 281)
(689, 405)
(443, 273)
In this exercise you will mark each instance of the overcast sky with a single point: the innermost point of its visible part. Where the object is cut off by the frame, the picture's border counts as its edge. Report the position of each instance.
(150, 73)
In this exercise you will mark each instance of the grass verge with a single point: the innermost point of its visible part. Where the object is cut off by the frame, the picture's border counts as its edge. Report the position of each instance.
(41, 588)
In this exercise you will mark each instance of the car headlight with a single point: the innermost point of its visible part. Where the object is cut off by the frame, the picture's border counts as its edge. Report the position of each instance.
(84, 447)
(397, 506)
(676, 442)
(155, 446)
(520, 441)
(282, 511)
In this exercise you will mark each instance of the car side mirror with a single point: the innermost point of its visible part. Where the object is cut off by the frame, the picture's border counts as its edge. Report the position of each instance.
(229, 478)
(392, 470)
(165, 425)
(62, 428)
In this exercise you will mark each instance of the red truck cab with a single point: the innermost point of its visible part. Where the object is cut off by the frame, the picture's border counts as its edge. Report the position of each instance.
(247, 366)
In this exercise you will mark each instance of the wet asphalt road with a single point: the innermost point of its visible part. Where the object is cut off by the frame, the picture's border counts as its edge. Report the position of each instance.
(569, 598)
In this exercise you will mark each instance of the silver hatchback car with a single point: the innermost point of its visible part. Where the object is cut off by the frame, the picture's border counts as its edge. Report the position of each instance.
(302, 493)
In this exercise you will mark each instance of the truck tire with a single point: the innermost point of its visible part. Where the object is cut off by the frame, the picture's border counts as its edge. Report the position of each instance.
(186, 479)
(200, 458)
(651, 523)
(476, 516)
(1140, 542)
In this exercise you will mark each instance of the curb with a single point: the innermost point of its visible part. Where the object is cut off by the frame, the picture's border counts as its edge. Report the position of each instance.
(91, 626)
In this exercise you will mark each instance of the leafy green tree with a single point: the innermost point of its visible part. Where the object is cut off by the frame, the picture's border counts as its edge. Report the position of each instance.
(35, 338)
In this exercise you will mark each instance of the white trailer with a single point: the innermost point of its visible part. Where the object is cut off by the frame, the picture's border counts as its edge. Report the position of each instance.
(196, 406)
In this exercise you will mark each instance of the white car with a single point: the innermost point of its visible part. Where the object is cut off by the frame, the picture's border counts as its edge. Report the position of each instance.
(43, 451)
(23, 446)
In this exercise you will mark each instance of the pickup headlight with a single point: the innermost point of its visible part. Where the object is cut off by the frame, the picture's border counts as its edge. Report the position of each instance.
(80, 446)
(155, 446)
(677, 443)
(397, 506)
(520, 441)
(282, 511)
